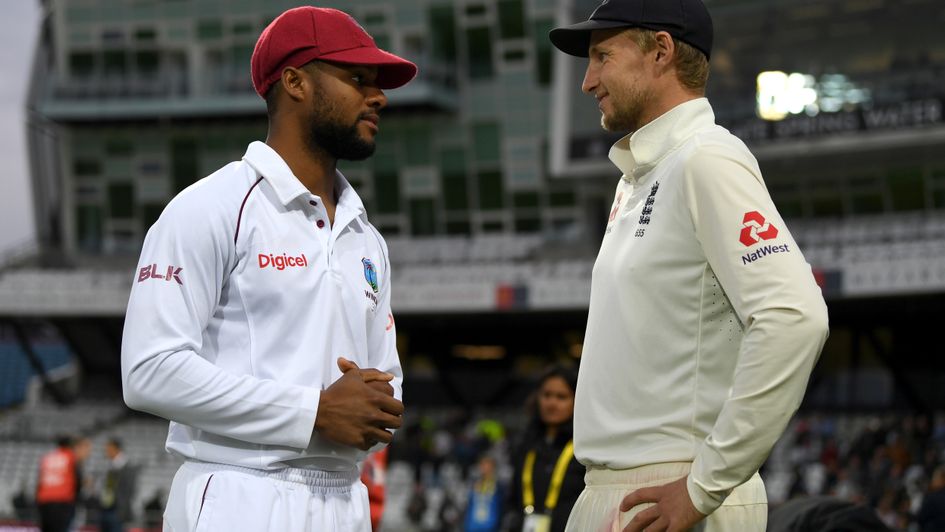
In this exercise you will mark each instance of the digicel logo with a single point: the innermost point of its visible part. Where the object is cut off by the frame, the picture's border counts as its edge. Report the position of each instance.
(281, 262)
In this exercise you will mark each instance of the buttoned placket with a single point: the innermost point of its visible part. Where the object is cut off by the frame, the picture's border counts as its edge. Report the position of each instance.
(328, 233)
(318, 217)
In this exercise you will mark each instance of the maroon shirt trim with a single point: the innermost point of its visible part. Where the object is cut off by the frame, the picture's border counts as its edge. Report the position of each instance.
(240, 217)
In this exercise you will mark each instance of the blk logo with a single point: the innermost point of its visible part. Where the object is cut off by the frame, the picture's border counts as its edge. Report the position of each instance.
(755, 229)
(152, 272)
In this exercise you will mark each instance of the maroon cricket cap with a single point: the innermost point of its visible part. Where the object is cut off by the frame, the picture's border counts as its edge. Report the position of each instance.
(304, 34)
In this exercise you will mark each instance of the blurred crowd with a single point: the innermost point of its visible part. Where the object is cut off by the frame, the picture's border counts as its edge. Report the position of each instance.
(467, 467)
(892, 465)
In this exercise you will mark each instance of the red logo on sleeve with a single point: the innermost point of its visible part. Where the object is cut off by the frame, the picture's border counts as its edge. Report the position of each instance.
(755, 229)
(151, 272)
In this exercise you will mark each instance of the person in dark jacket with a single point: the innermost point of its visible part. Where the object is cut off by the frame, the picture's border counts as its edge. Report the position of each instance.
(548, 479)
(824, 514)
(932, 514)
(119, 489)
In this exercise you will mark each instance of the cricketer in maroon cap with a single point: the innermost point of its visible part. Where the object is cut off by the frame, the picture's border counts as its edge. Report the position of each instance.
(323, 78)
(269, 344)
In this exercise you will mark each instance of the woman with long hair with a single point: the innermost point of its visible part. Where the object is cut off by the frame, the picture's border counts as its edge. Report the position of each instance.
(547, 478)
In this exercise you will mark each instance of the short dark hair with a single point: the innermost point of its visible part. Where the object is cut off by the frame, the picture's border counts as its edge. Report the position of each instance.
(64, 440)
(115, 442)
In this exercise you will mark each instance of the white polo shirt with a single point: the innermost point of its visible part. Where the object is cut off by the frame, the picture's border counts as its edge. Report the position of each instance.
(705, 320)
(243, 299)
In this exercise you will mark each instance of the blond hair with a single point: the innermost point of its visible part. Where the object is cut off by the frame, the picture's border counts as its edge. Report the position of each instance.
(692, 66)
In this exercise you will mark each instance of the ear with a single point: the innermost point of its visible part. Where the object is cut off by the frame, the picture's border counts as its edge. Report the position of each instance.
(294, 82)
(665, 50)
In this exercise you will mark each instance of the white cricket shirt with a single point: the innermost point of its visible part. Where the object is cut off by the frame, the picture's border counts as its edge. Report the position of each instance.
(243, 299)
(705, 320)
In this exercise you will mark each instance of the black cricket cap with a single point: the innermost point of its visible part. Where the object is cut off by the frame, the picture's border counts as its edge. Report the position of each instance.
(686, 20)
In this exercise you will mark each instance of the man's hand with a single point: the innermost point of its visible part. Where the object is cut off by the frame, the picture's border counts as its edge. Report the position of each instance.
(672, 509)
(374, 378)
(358, 408)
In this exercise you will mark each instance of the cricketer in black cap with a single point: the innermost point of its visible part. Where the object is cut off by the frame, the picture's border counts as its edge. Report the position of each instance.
(696, 355)
(686, 20)
(687, 25)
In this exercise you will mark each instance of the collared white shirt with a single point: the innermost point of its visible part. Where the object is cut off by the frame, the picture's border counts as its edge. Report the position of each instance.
(244, 297)
(705, 320)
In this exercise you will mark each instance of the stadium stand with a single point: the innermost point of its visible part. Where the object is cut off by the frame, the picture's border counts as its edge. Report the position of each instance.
(16, 372)
(26, 434)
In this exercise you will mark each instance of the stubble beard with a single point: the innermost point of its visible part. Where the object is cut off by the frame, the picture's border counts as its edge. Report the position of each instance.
(329, 134)
(628, 110)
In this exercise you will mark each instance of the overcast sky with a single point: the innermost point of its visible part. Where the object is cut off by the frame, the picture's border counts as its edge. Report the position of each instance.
(19, 26)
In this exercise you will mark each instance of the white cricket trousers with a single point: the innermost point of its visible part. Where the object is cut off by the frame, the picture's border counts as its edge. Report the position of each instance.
(216, 498)
(598, 507)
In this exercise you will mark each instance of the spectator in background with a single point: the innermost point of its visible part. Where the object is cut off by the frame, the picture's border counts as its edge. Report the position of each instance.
(824, 514)
(932, 515)
(548, 479)
(82, 448)
(21, 505)
(59, 484)
(118, 489)
(373, 475)
(154, 509)
(484, 510)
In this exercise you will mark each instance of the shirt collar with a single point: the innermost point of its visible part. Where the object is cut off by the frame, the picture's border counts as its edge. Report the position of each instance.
(269, 164)
(637, 153)
(347, 197)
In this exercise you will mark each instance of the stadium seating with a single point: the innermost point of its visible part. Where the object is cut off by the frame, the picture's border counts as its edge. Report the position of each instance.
(16, 371)
(26, 434)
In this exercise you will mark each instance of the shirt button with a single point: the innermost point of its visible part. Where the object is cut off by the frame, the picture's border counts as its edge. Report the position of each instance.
(320, 223)
(313, 203)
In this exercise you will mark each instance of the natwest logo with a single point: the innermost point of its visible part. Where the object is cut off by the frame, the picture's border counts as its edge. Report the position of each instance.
(755, 229)
(152, 272)
(281, 262)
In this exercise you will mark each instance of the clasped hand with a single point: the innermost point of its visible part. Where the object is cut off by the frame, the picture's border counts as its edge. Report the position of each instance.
(358, 409)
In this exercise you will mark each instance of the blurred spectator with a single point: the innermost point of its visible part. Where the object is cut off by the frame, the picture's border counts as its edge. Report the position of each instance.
(83, 449)
(932, 515)
(484, 510)
(450, 514)
(21, 505)
(548, 479)
(154, 510)
(373, 474)
(417, 506)
(823, 514)
(118, 490)
(59, 483)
